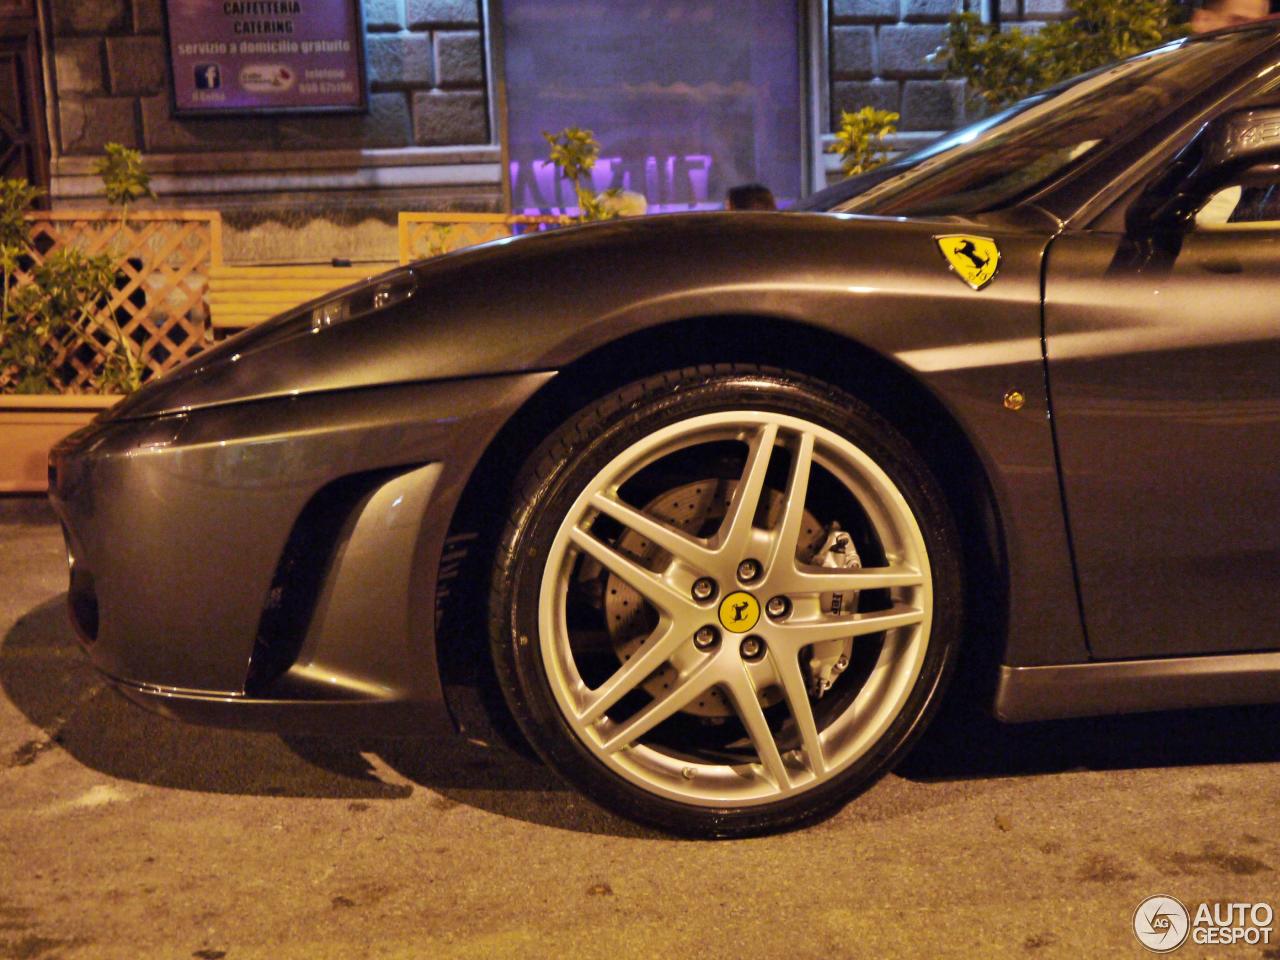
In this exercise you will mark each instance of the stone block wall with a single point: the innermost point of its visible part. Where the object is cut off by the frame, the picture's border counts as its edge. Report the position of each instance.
(879, 50)
(424, 59)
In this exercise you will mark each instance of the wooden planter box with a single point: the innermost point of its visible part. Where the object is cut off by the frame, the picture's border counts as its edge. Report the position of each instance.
(30, 426)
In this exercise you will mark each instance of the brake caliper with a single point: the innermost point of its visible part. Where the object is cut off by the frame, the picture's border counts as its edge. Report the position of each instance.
(829, 659)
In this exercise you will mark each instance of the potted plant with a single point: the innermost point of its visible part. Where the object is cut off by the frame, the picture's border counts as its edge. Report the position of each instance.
(574, 152)
(52, 308)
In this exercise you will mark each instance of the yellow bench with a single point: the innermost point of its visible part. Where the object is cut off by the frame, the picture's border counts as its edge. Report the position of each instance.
(243, 296)
(432, 234)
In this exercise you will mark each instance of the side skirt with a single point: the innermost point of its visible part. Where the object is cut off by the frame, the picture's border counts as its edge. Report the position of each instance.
(1136, 686)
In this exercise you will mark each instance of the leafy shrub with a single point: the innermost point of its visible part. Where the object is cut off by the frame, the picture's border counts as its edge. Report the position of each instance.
(123, 177)
(860, 139)
(575, 151)
(1001, 66)
(56, 303)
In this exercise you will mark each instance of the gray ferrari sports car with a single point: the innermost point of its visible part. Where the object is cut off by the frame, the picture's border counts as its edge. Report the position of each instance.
(714, 500)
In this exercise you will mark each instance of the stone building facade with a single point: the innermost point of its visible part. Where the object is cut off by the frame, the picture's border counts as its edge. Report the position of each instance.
(314, 186)
(288, 186)
(425, 61)
(879, 56)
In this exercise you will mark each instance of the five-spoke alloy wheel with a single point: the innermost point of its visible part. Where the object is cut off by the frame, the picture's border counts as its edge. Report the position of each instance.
(726, 600)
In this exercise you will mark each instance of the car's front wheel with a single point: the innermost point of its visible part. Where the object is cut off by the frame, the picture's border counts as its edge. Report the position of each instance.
(726, 599)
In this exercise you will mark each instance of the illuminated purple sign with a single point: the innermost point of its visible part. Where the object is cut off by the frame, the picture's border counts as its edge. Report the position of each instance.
(669, 183)
(687, 97)
(237, 56)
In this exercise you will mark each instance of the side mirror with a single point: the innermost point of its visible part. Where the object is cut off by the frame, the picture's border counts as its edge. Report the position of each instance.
(1227, 147)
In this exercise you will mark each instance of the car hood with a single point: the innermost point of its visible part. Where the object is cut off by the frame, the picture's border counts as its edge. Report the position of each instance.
(540, 301)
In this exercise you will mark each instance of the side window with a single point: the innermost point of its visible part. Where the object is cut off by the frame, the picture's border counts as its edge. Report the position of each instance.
(1253, 204)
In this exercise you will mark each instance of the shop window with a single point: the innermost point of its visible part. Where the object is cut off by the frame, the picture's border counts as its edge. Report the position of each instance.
(686, 98)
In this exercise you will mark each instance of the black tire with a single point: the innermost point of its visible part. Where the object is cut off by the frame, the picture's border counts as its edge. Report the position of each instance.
(547, 489)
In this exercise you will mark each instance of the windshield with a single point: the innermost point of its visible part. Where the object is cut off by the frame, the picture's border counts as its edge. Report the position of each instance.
(1005, 157)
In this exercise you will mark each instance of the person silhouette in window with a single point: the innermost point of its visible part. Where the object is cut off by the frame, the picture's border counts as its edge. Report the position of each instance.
(750, 196)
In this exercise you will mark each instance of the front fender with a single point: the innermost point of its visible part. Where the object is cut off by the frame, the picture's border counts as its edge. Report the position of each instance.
(539, 302)
(542, 302)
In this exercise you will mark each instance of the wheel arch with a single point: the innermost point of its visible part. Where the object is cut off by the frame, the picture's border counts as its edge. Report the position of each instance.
(889, 388)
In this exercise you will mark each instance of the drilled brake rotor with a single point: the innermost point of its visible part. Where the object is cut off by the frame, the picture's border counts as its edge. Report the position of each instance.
(696, 508)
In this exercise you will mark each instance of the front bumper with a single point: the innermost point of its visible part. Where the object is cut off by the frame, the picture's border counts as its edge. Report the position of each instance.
(273, 564)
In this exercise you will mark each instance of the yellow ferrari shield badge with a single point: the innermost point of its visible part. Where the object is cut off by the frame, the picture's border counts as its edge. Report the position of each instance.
(739, 612)
(974, 260)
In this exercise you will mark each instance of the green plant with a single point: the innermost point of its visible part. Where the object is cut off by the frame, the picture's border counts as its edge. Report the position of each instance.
(58, 304)
(25, 328)
(438, 239)
(860, 139)
(1001, 66)
(123, 176)
(52, 304)
(16, 198)
(575, 151)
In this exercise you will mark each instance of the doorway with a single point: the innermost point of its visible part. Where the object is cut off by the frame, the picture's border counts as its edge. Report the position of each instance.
(24, 149)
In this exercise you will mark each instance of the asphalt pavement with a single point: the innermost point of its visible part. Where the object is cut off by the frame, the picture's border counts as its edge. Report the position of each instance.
(126, 835)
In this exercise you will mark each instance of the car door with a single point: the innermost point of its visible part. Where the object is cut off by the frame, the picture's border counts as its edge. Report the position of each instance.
(1164, 375)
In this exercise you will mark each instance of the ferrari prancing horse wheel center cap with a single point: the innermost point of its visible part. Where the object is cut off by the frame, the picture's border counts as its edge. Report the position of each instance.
(739, 612)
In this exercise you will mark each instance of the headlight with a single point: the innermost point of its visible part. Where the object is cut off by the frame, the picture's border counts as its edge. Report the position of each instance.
(387, 292)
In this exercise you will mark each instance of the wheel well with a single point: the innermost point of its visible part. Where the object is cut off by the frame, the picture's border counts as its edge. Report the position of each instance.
(464, 662)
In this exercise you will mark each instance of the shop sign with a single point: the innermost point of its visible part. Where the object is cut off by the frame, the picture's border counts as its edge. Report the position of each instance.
(272, 56)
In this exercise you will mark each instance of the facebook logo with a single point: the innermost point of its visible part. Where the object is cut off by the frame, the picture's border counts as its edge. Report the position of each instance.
(208, 76)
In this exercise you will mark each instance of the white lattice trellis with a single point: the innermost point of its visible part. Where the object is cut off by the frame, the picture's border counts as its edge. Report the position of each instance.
(163, 259)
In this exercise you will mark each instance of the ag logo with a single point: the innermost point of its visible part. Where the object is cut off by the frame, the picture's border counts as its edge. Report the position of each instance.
(739, 612)
(1161, 923)
(974, 260)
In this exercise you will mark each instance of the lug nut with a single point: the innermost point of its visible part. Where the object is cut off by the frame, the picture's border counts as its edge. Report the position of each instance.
(748, 570)
(777, 607)
(752, 648)
(704, 588)
(706, 638)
